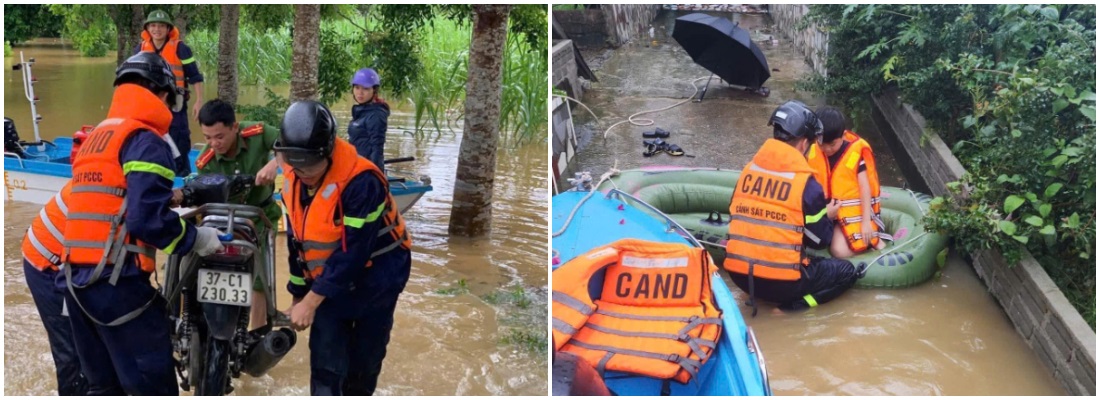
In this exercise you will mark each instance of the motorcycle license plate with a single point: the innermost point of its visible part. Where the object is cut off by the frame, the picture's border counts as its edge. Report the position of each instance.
(224, 287)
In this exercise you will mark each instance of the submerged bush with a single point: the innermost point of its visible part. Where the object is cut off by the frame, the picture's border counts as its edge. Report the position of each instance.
(1011, 89)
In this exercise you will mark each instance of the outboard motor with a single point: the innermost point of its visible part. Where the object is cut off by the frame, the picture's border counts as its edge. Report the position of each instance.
(266, 352)
(575, 377)
(11, 139)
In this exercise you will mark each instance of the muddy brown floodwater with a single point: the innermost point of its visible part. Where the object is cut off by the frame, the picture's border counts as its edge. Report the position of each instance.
(472, 319)
(944, 337)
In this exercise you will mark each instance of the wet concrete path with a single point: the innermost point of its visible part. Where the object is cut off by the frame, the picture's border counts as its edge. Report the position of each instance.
(724, 130)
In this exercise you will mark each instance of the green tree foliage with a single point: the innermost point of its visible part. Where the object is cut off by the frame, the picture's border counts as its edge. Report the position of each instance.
(266, 17)
(1012, 89)
(88, 26)
(23, 22)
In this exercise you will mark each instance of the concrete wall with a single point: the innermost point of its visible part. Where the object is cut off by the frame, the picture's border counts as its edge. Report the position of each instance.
(563, 142)
(617, 23)
(564, 74)
(812, 41)
(626, 22)
(1043, 316)
(587, 26)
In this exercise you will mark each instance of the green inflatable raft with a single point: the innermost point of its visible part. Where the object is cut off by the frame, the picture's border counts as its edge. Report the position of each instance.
(699, 200)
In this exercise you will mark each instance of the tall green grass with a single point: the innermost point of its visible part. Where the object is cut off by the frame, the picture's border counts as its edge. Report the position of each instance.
(523, 104)
(263, 58)
(437, 96)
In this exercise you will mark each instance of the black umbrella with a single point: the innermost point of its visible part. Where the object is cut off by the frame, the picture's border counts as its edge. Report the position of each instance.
(723, 48)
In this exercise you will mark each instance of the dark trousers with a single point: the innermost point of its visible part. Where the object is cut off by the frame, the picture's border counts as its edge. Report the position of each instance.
(134, 358)
(824, 279)
(49, 300)
(180, 132)
(346, 350)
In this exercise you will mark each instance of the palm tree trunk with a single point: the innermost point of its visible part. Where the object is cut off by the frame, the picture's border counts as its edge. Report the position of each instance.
(227, 53)
(471, 209)
(307, 52)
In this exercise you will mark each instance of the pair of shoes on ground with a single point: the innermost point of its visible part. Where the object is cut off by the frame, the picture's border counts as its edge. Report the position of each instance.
(658, 146)
(657, 133)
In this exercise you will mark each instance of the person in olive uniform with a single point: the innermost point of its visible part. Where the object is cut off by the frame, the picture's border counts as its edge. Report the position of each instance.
(242, 148)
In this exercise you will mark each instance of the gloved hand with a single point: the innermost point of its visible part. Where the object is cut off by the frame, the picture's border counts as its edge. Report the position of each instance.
(206, 241)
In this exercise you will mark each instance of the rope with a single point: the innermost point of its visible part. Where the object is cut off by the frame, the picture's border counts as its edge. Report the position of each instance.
(606, 176)
(578, 102)
(648, 122)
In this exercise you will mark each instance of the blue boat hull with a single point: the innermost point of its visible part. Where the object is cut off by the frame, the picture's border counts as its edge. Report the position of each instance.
(733, 369)
(45, 171)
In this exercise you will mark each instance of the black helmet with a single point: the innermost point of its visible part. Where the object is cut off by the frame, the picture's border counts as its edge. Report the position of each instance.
(308, 134)
(795, 120)
(153, 69)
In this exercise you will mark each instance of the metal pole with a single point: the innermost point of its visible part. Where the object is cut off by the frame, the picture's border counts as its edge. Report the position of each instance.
(704, 89)
(28, 91)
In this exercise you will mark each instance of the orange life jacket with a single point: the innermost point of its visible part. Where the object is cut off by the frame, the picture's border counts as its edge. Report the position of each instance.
(317, 233)
(168, 52)
(96, 233)
(841, 182)
(654, 316)
(44, 241)
(767, 222)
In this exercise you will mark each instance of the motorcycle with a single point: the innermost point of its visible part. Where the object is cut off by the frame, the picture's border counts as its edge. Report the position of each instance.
(211, 297)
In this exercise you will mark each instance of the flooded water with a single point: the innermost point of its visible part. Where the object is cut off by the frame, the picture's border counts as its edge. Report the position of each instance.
(472, 320)
(945, 337)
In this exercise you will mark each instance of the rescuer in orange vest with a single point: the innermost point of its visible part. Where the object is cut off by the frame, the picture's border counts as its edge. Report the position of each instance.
(348, 251)
(42, 247)
(159, 36)
(845, 165)
(778, 207)
(118, 215)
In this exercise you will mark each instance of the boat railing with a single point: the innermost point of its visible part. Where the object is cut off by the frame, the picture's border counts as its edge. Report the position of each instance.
(672, 224)
(754, 347)
(15, 156)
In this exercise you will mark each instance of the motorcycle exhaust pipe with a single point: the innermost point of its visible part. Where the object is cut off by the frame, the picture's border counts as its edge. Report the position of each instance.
(269, 351)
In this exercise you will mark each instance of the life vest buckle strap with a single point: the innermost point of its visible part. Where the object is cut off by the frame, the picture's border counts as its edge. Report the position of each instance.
(111, 190)
(563, 327)
(571, 302)
(42, 250)
(746, 239)
(772, 224)
(113, 219)
(386, 249)
(315, 245)
(754, 261)
(387, 229)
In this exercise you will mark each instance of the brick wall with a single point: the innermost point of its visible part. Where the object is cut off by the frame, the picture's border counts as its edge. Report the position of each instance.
(1042, 315)
(811, 42)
